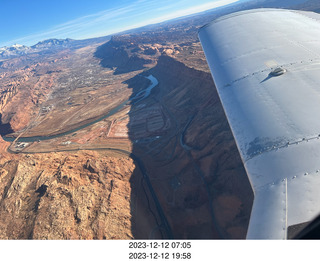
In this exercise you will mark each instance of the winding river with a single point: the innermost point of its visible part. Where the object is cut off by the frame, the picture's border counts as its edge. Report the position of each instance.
(140, 96)
(145, 93)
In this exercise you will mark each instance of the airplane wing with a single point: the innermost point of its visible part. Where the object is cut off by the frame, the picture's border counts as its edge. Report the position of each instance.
(266, 67)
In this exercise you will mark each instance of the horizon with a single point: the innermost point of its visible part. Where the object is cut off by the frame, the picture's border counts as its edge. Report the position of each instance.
(83, 23)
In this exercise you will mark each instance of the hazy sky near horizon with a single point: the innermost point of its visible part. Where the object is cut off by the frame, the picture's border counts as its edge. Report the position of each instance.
(28, 22)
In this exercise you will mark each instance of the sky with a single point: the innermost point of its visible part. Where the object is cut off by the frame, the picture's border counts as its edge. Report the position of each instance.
(30, 21)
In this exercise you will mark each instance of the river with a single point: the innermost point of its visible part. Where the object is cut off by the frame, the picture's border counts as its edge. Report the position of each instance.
(154, 83)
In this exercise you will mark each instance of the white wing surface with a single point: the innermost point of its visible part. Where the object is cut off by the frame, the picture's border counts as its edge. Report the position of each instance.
(266, 67)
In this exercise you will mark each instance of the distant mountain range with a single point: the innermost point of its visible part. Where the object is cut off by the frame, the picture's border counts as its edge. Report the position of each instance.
(13, 50)
(54, 44)
(48, 45)
(18, 49)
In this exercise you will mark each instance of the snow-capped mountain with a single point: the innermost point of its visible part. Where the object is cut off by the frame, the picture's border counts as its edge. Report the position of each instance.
(18, 49)
(52, 43)
(14, 50)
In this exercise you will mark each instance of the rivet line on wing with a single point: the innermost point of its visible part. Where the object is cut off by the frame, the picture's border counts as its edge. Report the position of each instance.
(268, 70)
(289, 179)
(277, 147)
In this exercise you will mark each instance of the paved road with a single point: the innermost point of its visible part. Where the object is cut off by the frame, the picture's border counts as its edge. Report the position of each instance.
(154, 82)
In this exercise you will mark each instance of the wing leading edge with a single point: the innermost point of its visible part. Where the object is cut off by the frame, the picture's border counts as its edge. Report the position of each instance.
(266, 67)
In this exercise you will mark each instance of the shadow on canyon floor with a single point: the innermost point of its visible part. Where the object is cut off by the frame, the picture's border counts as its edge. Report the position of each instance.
(189, 181)
(5, 128)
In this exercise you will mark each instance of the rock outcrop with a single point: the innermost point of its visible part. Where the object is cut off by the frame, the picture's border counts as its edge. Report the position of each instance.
(6, 95)
(65, 196)
(117, 54)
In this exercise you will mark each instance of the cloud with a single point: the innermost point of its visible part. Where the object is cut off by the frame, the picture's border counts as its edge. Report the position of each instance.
(192, 10)
(72, 28)
(139, 13)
